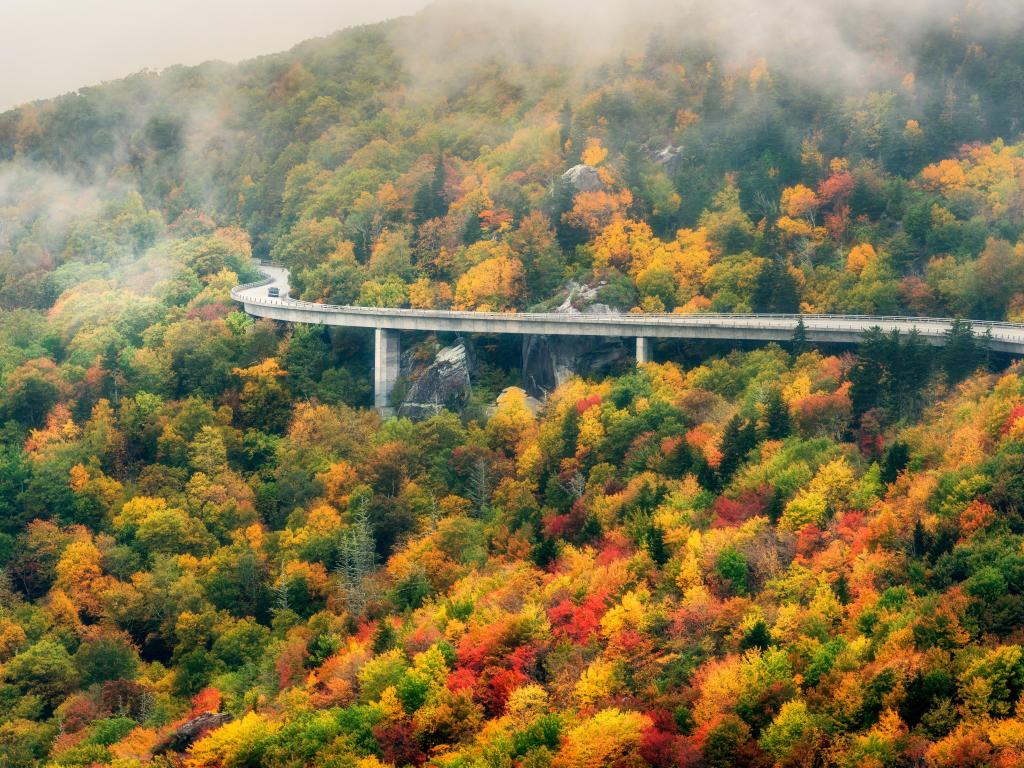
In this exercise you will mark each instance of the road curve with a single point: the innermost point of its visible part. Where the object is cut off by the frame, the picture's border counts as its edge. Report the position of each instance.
(1005, 337)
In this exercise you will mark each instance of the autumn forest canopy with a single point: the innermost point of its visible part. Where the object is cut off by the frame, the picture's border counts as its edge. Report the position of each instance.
(215, 554)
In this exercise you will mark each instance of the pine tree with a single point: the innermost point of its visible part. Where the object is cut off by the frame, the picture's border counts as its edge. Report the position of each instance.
(544, 552)
(570, 430)
(561, 197)
(479, 490)
(798, 345)
(757, 637)
(358, 556)
(776, 505)
(280, 592)
(841, 588)
(920, 542)
(706, 476)
(890, 372)
(896, 458)
(656, 547)
(429, 201)
(748, 438)
(384, 637)
(679, 462)
(912, 370)
(960, 355)
(985, 348)
(776, 291)
(737, 440)
(867, 375)
(777, 424)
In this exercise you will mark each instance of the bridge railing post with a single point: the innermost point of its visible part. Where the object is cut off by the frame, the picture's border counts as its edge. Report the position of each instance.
(386, 361)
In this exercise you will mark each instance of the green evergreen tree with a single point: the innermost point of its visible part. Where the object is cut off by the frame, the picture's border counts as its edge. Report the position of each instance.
(896, 458)
(868, 376)
(656, 546)
(912, 369)
(559, 201)
(738, 440)
(890, 373)
(570, 430)
(961, 354)
(757, 636)
(798, 345)
(748, 438)
(777, 424)
(706, 476)
(776, 290)
(358, 557)
(384, 637)
(429, 201)
(544, 552)
(776, 505)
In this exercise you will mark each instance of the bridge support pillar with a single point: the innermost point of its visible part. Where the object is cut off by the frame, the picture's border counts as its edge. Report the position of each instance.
(386, 359)
(644, 350)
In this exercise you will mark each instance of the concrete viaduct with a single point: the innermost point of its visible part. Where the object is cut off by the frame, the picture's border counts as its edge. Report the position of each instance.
(258, 301)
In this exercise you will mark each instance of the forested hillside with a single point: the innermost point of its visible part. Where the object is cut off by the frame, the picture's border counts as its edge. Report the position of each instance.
(212, 553)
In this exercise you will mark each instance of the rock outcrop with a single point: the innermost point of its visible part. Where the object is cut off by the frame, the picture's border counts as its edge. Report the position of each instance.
(584, 177)
(667, 155)
(182, 737)
(442, 384)
(549, 361)
(581, 299)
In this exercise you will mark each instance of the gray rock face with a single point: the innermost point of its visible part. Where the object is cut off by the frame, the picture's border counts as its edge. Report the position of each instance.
(584, 177)
(666, 155)
(549, 361)
(191, 731)
(443, 384)
(581, 299)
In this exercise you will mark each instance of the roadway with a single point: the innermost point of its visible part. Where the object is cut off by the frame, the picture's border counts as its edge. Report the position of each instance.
(1006, 337)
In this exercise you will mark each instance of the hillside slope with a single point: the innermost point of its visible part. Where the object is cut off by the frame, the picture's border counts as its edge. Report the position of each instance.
(382, 174)
(213, 554)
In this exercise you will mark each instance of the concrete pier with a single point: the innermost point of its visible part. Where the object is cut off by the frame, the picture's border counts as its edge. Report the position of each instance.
(644, 350)
(386, 362)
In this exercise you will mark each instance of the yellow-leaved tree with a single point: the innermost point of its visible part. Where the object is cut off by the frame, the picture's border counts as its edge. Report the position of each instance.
(610, 737)
(494, 285)
(593, 153)
(235, 745)
(859, 257)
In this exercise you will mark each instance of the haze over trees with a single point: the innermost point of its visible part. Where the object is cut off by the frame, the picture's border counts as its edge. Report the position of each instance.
(213, 553)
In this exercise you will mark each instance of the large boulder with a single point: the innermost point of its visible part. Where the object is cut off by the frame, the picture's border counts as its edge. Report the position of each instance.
(442, 384)
(584, 177)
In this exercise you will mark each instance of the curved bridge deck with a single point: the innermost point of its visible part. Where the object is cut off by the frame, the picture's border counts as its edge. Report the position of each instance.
(1004, 337)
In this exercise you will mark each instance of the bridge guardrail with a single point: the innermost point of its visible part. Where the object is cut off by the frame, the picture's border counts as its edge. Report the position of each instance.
(766, 321)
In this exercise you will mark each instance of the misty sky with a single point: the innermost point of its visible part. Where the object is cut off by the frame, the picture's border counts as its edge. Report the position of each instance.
(54, 46)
